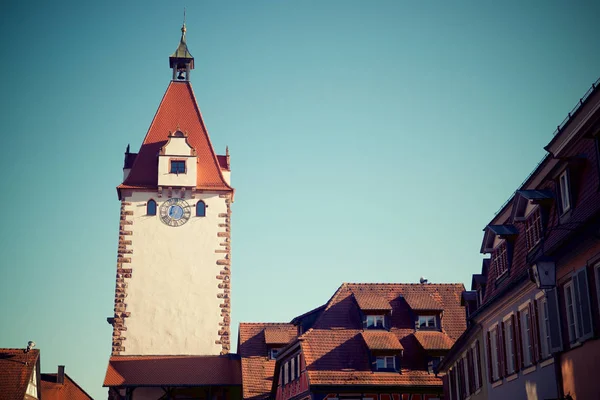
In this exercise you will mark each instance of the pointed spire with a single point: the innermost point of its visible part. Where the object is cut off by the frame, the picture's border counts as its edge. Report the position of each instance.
(182, 60)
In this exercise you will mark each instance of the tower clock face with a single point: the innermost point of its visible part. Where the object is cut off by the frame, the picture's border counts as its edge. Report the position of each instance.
(175, 212)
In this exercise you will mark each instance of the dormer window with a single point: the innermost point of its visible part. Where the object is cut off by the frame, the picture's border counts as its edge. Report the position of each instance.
(386, 363)
(565, 191)
(500, 259)
(273, 353)
(427, 321)
(375, 322)
(178, 166)
(533, 228)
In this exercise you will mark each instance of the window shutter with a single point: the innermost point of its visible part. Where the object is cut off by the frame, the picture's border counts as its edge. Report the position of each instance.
(516, 325)
(478, 361)
(501, 351)
(471, 371)
(489, 357)
(534, 332)
(554, 321)
(582, 296)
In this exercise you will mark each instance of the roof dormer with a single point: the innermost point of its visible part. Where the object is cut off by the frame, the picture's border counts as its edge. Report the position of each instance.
(385, 350)
(177, 162)
(375, 310)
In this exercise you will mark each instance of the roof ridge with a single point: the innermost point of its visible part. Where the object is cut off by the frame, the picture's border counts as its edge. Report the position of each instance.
(266, 323)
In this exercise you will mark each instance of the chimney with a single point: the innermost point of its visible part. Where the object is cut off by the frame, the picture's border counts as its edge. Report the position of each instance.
(60, 376)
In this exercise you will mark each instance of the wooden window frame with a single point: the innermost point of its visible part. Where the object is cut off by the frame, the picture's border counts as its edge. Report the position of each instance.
(533, 228)
(526, 334)
(177, 160)
(564, 189)
(375, 318)
(500, 259)
(572, 320)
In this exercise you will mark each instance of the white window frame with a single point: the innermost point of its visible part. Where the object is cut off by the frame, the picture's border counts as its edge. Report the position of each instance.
(571, 316)
(525, 323)
(509, 344)
(565, 191)
(292, 369)
(533, 223)
(475, 352)
(285, 373)
(427, 321)
(543, 321)
(501, 250)
(385, 360)
(494, 351)
(372, 321)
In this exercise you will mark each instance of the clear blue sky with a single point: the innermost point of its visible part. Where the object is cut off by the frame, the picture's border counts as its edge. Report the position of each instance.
(371, 141)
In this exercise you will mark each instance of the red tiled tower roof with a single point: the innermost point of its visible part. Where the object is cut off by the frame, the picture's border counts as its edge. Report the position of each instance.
(178, 110)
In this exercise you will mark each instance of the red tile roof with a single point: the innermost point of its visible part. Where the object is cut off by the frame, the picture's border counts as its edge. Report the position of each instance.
(337, 353)
(16, 368)
(69, 390)
(177, 110)
(381, 340)
(422, 301)
(371, 302)
(257, 369)
(280, 334)
(434, 340)
(173, 371)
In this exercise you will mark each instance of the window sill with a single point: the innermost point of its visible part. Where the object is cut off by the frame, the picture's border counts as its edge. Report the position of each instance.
(477, 392)
(529, 369)
(512, 377)
(497, 383)
(501, 278)
(574, 345)
(547, 362)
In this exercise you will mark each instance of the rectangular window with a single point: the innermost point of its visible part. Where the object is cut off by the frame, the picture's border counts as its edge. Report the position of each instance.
(427, 321)
(477, 365)
(285, 373)
(177, 166)
(509, 341)
(493, 335)
(500, 259)
(273, 353)
(533, 228)
(386, 362)
(293, 369)
(465, 364)
(565, 191)
(375, 321)
(298, 366)
(525, 321)
(544, 327)
(571, 315)
(597, 273)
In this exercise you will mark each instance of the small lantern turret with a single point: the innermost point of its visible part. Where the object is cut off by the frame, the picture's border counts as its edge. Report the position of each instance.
(181, 61)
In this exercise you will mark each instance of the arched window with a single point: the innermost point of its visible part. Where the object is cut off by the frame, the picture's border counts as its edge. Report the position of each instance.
(151, 207)
(200, 209)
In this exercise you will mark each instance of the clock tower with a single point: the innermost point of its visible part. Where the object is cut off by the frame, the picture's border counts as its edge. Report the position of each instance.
(172, 294)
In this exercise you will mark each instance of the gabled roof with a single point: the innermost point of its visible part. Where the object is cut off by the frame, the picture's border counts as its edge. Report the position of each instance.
(69, 390)
(381, 340)
(257, 368)
(124, 371)
(177, 110)
(370, 301)
(16, 368)
(434, 340)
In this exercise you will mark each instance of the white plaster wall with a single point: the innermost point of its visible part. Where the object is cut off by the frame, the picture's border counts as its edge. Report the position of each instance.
(226, 176)
(166, 178)
(172, 295)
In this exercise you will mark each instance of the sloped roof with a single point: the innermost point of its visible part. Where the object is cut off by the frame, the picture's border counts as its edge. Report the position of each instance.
(280, 334)
(173, 370)
(370, 301)
(336, 352)
(419, 301)
(257, 369)
(69, 390)
(381, 340)
(177, 110)
(16, 368)
(434, 340)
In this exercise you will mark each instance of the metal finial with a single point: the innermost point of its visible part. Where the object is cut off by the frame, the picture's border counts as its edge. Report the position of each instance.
(183, 29)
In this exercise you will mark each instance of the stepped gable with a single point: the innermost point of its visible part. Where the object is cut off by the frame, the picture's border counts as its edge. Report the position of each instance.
(178, 110)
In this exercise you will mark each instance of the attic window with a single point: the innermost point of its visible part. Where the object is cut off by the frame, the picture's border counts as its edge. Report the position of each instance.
(500, 259)
(533, 228)
(426, 321)
(386, 363)
(273, 353)
(375, 321)
(177, 166)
